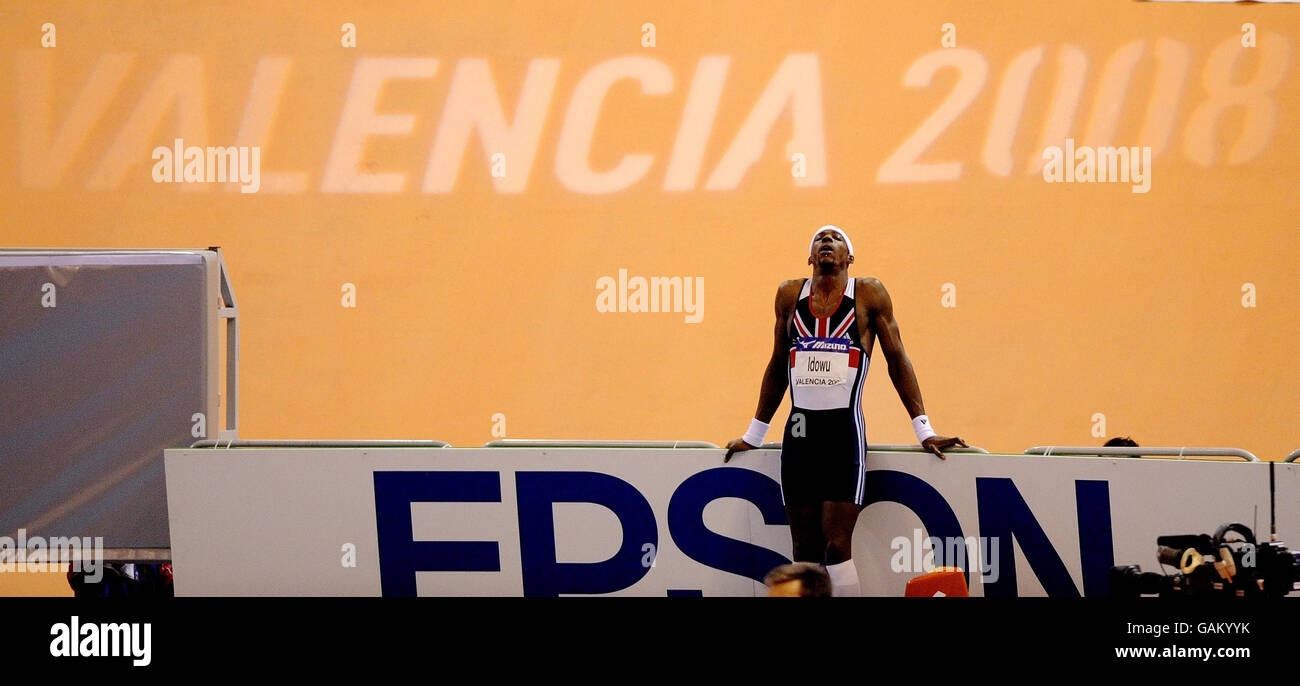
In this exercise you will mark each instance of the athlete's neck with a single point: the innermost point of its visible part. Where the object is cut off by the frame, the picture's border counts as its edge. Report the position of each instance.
(830, 283)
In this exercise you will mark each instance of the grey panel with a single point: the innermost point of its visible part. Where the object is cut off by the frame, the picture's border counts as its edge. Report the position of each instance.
(93, 390)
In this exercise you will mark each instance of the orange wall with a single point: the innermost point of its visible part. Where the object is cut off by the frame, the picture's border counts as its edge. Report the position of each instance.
(1071, 299)
(34, 584)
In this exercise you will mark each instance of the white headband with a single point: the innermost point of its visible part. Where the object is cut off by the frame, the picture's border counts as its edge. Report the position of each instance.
(836, 229)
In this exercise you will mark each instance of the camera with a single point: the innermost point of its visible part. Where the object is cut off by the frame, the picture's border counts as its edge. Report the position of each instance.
(1213, 565)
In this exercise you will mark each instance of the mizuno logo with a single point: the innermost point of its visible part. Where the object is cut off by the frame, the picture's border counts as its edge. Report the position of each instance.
(830, 344)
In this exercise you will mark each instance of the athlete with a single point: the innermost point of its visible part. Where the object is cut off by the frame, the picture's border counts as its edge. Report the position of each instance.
(826, 327)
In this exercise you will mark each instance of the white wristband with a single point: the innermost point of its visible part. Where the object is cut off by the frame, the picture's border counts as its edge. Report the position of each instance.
(757, 430)
(921, 425)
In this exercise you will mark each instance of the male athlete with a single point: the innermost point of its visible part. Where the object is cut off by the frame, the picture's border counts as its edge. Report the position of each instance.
(826, 327)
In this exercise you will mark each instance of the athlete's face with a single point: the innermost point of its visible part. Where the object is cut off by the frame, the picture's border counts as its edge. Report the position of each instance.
(830, 252)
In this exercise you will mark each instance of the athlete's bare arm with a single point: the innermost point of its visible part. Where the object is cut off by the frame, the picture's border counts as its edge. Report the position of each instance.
(875, 316)
(775, 378)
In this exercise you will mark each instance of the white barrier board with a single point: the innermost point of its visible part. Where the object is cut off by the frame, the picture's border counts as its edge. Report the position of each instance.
(654, 522)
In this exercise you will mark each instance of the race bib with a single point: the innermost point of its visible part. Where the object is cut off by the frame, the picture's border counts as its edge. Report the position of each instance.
(816, 368)
(821, 373)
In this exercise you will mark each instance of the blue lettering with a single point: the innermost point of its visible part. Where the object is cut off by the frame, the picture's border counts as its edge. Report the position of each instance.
(400, 557)
(1004, 514)
(1096, 539)
(543, 574)
(887, 485)
(686, 520)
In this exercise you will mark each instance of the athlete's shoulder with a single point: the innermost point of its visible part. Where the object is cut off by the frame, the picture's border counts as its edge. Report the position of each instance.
(787, 294)
(869, 293)
(869, 285)
(791, 285)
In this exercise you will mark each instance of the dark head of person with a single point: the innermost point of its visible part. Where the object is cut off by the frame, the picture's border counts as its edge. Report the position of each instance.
(800, 579)
(1121, 442)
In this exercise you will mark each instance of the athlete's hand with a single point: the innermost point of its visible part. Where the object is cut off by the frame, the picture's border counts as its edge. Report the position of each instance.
(737, 446)
(935, 444)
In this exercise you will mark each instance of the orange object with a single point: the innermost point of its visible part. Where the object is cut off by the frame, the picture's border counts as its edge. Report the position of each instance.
(943, 581)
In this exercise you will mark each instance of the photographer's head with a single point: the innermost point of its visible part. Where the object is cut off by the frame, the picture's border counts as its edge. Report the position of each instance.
(1121, 442)
(800, 579)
